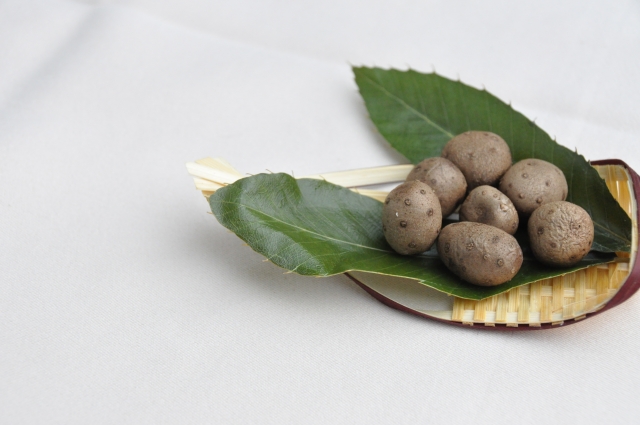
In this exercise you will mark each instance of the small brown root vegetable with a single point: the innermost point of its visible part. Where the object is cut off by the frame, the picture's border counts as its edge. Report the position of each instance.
(531, 183)
(482, 157)
(479, 254)
(487, 205)
(560, 233)
(411, 218)
(444, 178)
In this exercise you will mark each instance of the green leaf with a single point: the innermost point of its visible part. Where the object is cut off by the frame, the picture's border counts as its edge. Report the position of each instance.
(316, 228)
(418, 113)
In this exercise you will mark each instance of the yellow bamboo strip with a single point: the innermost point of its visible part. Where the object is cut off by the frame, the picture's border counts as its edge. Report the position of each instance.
(490, 310)
(218, 163)
(512, 297)
(545, 309)
(535, 297)
(366, 176)
(492, 303)
(501, 308)
(620, 277)
(216, 175)
(480, 312)
(602, 281)
(458, 309)
(620, 177)
(614, 282)
(612, 182)
(626, 200)
(379, 195)
(558, 293)
(513, 300)
(469, 307)
(568, 283)
(580, 285)
(591, 292)
(535, 303)
(206, 185)
(523, 305)
(592, 278)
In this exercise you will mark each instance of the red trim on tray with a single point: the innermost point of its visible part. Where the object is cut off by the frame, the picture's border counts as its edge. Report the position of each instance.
(630, 286)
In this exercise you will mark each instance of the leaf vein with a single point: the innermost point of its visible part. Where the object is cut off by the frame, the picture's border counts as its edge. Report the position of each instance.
(409, 107)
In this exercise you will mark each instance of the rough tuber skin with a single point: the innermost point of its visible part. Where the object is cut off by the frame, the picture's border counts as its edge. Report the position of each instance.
(560, 233)
(480, 254)
(411, 218)
(531, 183)
(487, 205)
(445, 179)
(482, 157)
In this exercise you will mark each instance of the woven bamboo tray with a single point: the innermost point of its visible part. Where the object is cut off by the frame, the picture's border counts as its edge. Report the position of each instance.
(544, 304)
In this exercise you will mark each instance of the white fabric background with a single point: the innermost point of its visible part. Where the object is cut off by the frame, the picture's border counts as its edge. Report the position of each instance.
(123, 301)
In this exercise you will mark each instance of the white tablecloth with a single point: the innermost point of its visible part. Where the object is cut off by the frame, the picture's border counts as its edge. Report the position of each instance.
(123, 301)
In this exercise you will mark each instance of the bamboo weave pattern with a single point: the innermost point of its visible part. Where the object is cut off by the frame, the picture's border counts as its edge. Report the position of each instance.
(555, 300)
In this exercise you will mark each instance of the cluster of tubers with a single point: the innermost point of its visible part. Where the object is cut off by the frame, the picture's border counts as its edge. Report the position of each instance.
(476, 171)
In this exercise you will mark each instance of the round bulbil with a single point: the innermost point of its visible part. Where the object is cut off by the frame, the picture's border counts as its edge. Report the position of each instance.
(411, 218)
(482, 157)
(531, 183)
(487, 205)
(444, 178)
(479, 254)
(560, 233)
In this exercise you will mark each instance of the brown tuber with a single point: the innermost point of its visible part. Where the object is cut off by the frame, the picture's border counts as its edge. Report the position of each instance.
(411, 218)
(479, 254)
(531, 183)
(560, 233)
(482, 157)
(487, 205)
(444, 178)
